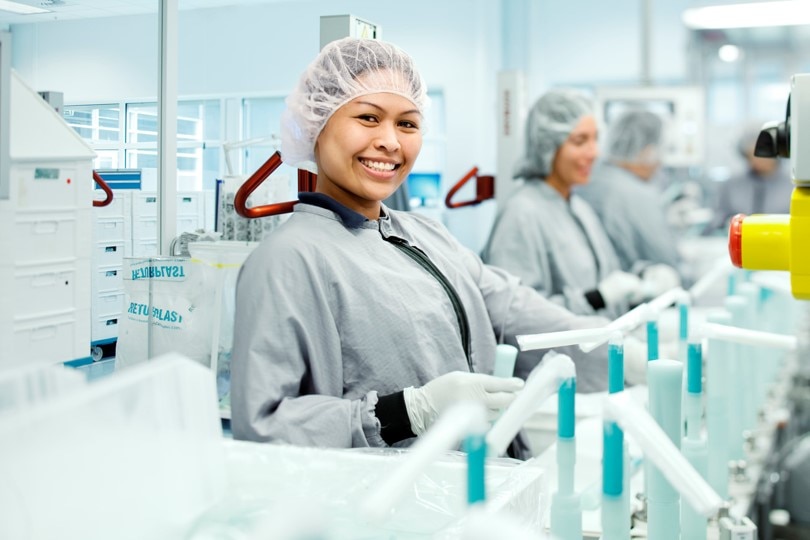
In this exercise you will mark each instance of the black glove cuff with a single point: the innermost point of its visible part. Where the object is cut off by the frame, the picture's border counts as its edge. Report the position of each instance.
(595, 299)
(395, 425)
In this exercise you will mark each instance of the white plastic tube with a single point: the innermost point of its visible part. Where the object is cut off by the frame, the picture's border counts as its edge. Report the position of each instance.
(531, 342)
(627, 322)
(749, 337)
(461, 419)
(660, 450)
(542, 382)
(720, 270)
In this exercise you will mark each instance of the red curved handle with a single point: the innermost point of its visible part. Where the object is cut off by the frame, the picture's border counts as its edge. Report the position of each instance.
(306, 182)
(484, 189)
(103, 185)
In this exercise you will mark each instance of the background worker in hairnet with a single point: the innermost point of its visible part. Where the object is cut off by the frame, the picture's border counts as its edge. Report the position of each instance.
(764, 188)
(357, 325)
(546, 234)
(629, 205)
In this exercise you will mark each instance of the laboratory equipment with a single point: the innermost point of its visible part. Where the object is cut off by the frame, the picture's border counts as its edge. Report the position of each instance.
(45, 224)
(777, 242)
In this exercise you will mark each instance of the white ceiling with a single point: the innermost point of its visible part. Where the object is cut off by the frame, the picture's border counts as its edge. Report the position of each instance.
(84, 9)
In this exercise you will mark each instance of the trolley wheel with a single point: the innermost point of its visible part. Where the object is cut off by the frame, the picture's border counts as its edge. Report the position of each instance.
(96, 352)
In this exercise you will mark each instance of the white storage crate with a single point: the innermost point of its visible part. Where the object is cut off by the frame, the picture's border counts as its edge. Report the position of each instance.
(52, 337)
(105, 326)
(109, 302)
(190, 204)
(46, 287)
(108, 278)
(51, 185)
(46, 236)
(144, 248)
(108, 254)
(144, 203)
(119, 207)
(144, 227)
(110, 230)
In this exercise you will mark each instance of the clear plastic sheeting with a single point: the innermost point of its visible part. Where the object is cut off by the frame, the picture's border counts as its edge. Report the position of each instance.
(136, 455)
(266, 481)
(23, 386)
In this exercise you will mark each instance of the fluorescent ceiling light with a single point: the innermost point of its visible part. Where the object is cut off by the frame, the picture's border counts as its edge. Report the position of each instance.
(24, 9)
(729, 53)
(758, 14)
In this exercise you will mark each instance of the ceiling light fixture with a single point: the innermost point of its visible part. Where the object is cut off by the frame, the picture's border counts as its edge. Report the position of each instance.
(23, 9)
(729, 53)
(752, 15)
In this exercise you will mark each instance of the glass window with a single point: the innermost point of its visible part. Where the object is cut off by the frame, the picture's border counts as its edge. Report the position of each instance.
(142, 123)
(94, 123)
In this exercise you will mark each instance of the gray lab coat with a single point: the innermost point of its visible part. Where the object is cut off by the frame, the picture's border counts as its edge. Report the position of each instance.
(633, 215)
(329, 315)
(556, 246)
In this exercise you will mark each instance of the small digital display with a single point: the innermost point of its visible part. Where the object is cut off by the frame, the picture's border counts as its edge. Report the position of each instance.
(424, 189)
(41, 173)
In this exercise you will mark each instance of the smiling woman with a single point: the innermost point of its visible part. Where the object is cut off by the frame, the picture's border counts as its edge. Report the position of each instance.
(367, 149)
(356, 325)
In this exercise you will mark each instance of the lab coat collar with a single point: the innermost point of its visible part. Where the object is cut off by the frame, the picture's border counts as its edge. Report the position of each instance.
(350, 218)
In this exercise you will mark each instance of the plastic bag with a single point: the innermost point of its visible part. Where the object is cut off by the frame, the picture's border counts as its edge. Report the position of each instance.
(169, 307)
(190, 303)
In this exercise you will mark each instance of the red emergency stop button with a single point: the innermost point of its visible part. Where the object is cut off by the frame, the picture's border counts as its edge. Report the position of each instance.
(735, 240)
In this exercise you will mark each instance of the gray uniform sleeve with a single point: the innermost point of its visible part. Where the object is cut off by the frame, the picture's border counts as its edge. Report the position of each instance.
(286, 369)
(523, 251)
(515, 309)
(643, 235)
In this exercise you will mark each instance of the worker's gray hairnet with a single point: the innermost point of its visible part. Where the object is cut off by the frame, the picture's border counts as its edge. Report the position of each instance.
(550, 121)
(633, 132)
(344, 69)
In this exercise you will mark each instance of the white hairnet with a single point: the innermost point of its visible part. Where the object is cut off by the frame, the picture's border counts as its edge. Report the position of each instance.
(550, 121)
(633, 132)
(344, 69)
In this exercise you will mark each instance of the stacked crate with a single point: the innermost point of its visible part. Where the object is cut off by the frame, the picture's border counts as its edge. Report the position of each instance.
(45, 232)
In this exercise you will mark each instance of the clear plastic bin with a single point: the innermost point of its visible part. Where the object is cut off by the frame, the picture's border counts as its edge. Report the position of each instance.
(132, 456)
(281, 491)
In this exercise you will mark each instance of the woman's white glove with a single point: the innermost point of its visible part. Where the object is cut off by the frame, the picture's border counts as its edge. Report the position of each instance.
(658, 279)
(620, 287)
(426, 403)
(635, 361)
